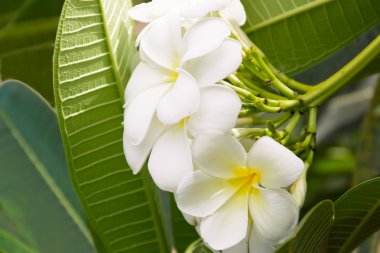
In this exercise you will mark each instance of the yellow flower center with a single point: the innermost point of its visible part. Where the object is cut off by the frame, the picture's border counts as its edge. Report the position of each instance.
(245, 179)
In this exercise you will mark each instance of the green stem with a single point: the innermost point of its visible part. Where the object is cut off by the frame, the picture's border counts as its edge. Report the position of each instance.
(320, 93)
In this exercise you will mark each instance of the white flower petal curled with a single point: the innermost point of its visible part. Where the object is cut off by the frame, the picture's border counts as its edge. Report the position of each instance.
(201, 195)
(228, 226)
(181, 101)
(140, 111)
(281, 166)
(204, 37)
(218, 154)
(170, 159)
(274, 212)
(234, 12)
(219, 108)
(219, 64)
(136, 155)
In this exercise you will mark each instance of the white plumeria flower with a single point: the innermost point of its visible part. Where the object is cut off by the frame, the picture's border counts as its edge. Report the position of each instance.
(173, 92)
(233, 190)
(170, 159)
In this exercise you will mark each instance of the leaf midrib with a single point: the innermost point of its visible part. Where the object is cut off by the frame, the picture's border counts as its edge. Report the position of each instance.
(40, 167)
(286, 15)
(359, 227)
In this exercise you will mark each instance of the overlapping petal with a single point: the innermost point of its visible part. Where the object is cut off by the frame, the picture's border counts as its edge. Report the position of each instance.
(218, 154)
(274, 213)
(204, 36)
(279, 166)
(137, 155)
(201, 195)
(162, 42)
(257, 245)
(217, 65)
(218, 110)
(181, 101)
(144, 77)
(170, 159)
(139, 113)
(228, 226)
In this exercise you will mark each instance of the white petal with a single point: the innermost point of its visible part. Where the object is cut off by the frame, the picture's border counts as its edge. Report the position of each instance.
(218, 110)
(241, 247)
(299, 189)
(218, 154)
(144, 77)
(278, 166)
(142, 12)
(162, 42)
(201, 195)
(256, 245)
(274, 213)
(139, 113)
(181, 101)
(234, 12)
(218, 64)
(170, 159)
(147, 12)
(227, 226)
(202, 8)
(137, 155)
(205, 36)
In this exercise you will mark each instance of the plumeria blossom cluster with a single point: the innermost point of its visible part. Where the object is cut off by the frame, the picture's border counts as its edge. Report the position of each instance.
(178, 117)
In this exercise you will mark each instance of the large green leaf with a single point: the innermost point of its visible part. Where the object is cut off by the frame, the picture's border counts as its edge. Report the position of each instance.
(357, 216)
(312, 233)
(297, 34)
(183, 232)
(38, 204)
(27, 32)
(93, 57)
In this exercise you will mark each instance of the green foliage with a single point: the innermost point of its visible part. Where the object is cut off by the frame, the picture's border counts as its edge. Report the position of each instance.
(12, 245)
(296, 35)
(357, 216)
(27, 33)
(368, 153)
(93, 57)
(38, 206)
(183, 232)
(312, 233)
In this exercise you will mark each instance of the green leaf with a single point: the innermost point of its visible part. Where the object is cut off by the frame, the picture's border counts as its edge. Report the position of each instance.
(198, 247)
(92, 63)
(368, 158)
(183, 232)
(13, 245)
(357, 216)
(312, 233)
(38, 204)
(296, 35)
(27, 33)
